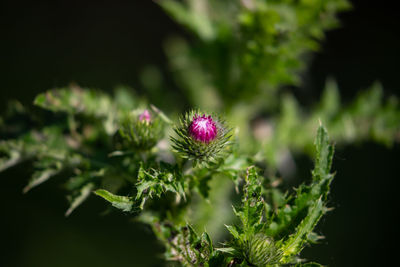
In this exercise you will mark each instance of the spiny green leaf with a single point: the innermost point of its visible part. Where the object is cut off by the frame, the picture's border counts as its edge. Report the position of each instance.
(75, 100)
(40, 177)
(14, 151)
(51, 164)
(81, 186)
(294, 210)
(77, 182)
(123, 203)
(156, 182)
(324, 155)
(234, 232)
(295, 243)
(77, 200)
(12, 156)
(252, 208)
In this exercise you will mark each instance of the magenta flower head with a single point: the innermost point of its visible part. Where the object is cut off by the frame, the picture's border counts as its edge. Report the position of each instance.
(203, 128)
(145, 116)
(201, 137)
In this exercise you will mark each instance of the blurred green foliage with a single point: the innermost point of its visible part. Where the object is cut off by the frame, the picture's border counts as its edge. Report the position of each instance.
(245, 50)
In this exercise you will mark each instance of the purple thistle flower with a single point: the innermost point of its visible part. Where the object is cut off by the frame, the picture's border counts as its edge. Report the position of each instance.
(203, 128)
(145, 116)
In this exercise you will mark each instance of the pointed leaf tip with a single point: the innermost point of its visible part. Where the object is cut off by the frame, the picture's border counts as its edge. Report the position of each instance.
(80, 198)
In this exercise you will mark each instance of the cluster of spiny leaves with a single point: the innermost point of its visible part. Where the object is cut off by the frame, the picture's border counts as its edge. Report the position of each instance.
(104, 143)
(275, 233)
(268, 233)
(78, 138)
(76, 142)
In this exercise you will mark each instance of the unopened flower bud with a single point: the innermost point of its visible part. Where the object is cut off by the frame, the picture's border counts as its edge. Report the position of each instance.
(145, 116)
(141, 131)
(261, 251)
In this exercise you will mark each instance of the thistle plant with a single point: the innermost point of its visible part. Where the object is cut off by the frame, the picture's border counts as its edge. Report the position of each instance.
(162, 191)
(182, 176)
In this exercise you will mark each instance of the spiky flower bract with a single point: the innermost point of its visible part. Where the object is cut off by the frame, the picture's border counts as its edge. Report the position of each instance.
(141, 130)
(202, 137)
(261, 251)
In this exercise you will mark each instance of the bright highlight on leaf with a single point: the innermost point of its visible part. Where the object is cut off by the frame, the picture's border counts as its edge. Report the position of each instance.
(120, 202)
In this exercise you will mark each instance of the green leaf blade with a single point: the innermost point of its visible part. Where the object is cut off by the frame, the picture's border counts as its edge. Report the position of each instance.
(84, 193)
(123, 203)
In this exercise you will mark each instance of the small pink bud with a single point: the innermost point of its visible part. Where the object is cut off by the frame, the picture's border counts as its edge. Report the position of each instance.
(145, 116)
(203, 129)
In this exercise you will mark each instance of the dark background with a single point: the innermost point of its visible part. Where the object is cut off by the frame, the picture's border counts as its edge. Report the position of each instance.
(100, 44)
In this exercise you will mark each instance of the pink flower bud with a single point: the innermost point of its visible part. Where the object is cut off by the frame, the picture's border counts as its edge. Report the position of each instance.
(145, 116)
(203, 129)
